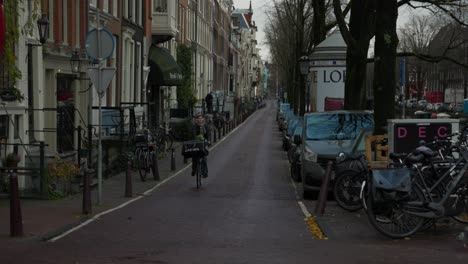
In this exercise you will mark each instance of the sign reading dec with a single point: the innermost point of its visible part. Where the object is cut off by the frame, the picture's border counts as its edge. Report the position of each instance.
(408, 135)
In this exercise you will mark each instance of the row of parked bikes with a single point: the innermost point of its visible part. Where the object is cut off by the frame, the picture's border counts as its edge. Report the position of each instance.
(147, 145)
(413, 193)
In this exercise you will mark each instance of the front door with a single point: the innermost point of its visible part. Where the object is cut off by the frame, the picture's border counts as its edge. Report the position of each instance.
(65, 113)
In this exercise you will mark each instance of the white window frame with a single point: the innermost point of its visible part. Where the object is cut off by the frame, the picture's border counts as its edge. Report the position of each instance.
(133, 6)
(140, 13)
(105, 6)
(125, 9)
(115, 8)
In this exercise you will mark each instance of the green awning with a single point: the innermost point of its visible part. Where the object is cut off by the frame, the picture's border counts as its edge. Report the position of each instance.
(164, 69)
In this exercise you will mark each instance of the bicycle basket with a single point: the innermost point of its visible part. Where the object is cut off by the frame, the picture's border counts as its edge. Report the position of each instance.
(390, 185)
(194, 148)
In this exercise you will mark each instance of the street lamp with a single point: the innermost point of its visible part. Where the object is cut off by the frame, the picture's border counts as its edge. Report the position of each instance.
(304, 68)
(43, 29)
(75, 62)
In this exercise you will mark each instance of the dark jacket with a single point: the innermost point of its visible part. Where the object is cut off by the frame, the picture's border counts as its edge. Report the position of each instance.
(203, 129)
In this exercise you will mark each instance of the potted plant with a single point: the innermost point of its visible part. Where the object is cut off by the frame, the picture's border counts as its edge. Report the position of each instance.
(11, 160)
(61, 173)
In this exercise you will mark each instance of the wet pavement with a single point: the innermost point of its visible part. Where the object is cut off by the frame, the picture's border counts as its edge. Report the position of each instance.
(246, 212)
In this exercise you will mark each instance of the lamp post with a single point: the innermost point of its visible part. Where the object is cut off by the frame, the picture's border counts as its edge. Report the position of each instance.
(43, 28)
(304, 68)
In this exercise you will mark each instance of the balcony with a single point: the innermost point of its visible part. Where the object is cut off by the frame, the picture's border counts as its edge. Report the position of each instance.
(164, 22)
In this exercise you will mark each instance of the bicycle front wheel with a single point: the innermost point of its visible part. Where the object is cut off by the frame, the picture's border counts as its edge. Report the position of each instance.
(347, 190)
(393, 218)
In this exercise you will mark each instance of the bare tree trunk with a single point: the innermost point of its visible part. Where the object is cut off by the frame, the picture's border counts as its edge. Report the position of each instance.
(319, 23)
(386, 41)
(357, 38)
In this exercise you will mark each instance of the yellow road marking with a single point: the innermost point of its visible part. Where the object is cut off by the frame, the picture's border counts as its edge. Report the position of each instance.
(314, 228)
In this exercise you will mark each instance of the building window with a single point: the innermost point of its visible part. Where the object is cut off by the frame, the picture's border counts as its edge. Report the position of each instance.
(140, 14)
(160, 6)
(133, 12)
(125, 9)
(105, 6)
(4, 126)
(115, 6)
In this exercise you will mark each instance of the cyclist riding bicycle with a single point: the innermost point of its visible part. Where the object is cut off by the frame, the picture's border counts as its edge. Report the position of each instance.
(201, 132)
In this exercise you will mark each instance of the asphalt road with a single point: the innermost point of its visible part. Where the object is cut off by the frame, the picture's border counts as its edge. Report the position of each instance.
(246, 212)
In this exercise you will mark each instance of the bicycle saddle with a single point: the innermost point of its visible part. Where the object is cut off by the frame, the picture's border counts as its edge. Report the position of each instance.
(427, 152)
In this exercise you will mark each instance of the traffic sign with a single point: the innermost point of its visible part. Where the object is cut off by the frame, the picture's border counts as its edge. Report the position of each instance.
(105, 74)
(107, 44)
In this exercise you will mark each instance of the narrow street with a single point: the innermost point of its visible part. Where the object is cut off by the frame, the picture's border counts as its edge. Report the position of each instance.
(246, 212)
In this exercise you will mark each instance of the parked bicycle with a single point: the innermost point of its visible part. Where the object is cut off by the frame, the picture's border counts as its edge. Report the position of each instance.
(402, 201)
(144, 155)
(163, 138)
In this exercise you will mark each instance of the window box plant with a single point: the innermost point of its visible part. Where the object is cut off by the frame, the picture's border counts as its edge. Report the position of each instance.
(61, 174)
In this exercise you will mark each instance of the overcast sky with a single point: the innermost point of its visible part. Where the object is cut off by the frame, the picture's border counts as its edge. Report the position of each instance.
(260, 7)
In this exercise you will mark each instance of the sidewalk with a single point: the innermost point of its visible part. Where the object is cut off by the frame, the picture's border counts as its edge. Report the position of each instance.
(43, 219)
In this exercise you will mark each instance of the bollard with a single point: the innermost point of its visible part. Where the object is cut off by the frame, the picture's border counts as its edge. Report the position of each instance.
(322, 199)
(16, 219)
(224, 129)
(128, 181)
(173, 164)
(214, 135)
(155, 167)
(86, 206)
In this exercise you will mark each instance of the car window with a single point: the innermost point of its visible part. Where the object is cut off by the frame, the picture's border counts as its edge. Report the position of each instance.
(298, 130)
(292, 124)
(333, 126)
(359, 145)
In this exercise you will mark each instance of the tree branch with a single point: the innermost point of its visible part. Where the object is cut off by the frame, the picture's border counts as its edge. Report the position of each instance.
(340, 19)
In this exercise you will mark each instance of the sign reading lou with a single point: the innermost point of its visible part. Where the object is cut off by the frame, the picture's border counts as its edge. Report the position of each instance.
(405, 135)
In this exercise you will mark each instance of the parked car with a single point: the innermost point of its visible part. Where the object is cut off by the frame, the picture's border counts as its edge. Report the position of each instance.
(284, 119)
(282, 107)
(294, 153)
(287, 133)
(458, 108)
(324, 136)
(411, 103)
(429, 107)
(422, 104)
(438, 107)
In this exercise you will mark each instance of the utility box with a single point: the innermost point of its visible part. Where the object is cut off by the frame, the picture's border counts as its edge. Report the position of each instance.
(404, 135)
